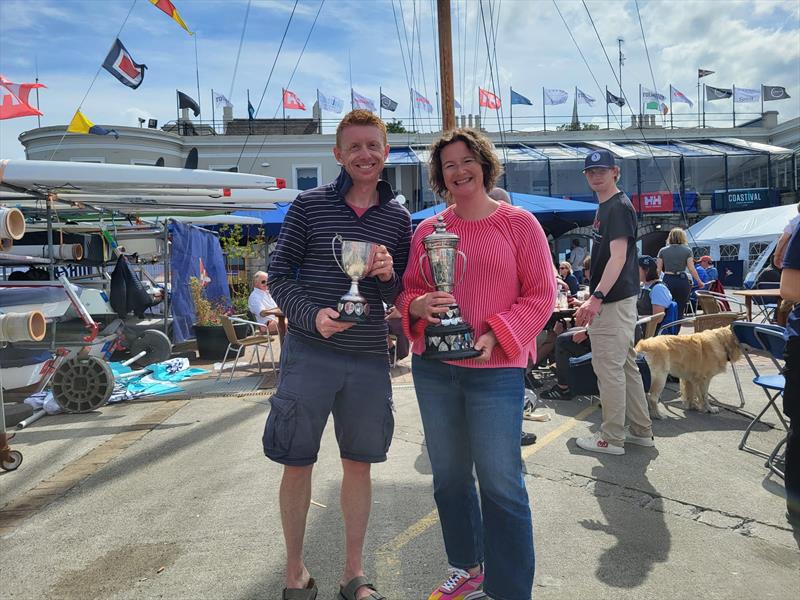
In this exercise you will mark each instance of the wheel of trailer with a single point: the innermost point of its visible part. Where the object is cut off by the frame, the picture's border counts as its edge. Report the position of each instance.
(13, 461)
(155, 343)
(82, 384)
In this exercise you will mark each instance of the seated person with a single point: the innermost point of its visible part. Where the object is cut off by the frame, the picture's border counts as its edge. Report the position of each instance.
(707, 263)
(654, 298)
(395, 322)
(260, 303)
(565, 271)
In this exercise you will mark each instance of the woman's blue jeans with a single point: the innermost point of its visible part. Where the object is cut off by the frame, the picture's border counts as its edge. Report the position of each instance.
(473, 418)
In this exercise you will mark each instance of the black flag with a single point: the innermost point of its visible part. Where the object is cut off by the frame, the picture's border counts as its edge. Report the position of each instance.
(388, 103)
(703, 73)
(773, 92)
(713, 93)
(185, 101)
(612, 99)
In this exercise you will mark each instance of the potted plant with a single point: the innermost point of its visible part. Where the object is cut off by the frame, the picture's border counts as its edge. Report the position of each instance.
(209, 333)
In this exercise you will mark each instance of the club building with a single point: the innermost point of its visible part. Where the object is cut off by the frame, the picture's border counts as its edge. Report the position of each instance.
(673, 176)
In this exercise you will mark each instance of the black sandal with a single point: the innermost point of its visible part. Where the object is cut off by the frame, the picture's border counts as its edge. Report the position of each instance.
(307, 593)
(348, 592)
(556, 393)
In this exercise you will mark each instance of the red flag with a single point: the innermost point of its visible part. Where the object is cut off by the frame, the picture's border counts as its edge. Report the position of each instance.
(204, 278)
(169, 8)
(14, 99)
(488, 99)
(291, 101)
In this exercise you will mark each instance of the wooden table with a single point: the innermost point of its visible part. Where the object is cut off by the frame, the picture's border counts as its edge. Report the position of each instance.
(276, 312)
(750, 294)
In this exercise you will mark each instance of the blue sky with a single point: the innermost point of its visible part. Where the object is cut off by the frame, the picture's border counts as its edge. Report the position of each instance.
(746, 42)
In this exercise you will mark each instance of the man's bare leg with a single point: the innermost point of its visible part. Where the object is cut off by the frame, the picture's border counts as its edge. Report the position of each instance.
(295, 499)
(356, 500)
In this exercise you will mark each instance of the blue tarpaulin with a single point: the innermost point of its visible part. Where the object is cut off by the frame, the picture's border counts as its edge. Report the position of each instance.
(191, 246)
(272, 219)
(556, 215)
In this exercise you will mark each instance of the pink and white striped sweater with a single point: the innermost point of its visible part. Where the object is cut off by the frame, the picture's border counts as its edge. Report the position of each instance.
(509, 284)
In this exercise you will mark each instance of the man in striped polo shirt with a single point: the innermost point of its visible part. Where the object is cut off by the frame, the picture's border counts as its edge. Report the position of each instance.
(330, 366)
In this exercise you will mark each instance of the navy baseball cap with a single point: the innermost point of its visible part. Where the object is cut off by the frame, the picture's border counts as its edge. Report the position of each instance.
(646, 261)
(599, 158)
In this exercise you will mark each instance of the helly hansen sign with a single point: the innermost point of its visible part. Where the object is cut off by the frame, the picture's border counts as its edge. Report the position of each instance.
(652, 202)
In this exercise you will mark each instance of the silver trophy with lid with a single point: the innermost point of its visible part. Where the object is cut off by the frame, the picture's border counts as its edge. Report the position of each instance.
(453, 337)
(356, 262)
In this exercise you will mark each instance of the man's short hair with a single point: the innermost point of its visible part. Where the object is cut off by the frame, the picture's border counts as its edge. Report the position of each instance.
(480, 146)
(576, 242)
(361, 116)
(500, 195)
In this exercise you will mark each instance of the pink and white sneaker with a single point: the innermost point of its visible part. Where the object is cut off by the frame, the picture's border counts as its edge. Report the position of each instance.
(459, 585)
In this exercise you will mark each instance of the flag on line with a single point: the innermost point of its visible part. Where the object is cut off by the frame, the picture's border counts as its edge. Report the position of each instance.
(360, 101)
(612, 99)
(746, 95)
(121, 65)
(169, 8)
(704, 72)
(422, 102)
(456, 104)
(488, 99)
(185, 101)
(679, 96)
(330, 103)
(584, 98)
(291, 101)
(774, 92)
(220, 99)
(519, 98)
(387, 103)
(554, 96)
(80, 124)
(251, 111)
(713, 93)
(14, 99)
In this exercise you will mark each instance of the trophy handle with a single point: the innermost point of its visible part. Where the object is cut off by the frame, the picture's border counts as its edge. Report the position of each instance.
(463, 269)
(333, 249)
(422, 271)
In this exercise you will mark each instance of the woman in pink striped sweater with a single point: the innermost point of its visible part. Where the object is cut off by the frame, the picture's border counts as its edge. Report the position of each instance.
(472, 409)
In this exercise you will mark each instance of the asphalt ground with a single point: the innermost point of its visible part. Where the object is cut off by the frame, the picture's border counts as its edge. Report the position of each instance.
(174, 499)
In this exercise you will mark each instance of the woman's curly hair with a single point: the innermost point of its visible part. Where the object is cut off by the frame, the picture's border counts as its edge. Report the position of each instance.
(480, 146)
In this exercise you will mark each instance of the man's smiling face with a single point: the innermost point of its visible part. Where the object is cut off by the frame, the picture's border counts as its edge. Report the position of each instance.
(362, 152)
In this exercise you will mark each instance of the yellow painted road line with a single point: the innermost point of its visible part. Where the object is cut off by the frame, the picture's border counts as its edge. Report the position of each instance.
(386, 556)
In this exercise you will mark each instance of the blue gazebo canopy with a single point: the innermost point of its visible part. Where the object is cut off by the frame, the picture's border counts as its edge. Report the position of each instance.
(556, 215)
(272, 219)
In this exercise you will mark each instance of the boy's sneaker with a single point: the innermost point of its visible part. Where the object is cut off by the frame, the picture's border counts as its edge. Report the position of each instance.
(596, 443)
(459, 585)
(647, 442)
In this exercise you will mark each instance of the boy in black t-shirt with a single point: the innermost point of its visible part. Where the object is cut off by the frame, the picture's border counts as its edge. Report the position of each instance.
(610, 314)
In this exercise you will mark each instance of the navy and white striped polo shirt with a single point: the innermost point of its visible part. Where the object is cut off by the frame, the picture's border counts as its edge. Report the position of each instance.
(304, 276)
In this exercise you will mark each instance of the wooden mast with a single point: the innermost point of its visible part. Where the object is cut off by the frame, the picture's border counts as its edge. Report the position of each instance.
(446, 65)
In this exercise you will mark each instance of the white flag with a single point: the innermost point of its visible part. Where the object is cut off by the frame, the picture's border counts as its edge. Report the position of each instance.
(554, 96)
(679, 96)
(219, 99)
(330, 103)
(584, 98)
(651, 96)
(746, 95)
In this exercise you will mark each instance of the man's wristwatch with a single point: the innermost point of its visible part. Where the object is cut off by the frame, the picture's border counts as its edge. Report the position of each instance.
(599, 295)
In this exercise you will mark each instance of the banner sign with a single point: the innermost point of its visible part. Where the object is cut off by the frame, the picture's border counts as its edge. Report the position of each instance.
(746, 199)
(652, 202)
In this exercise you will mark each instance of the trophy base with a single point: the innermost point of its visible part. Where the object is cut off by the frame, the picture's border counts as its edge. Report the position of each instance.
(352, 310)
(449, 342)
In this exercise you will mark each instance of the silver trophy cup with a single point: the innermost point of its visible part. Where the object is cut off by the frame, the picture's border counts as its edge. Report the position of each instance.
(356, 262)
(453, 337)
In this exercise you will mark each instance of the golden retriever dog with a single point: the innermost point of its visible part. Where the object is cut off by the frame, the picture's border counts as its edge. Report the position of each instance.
(695, 359)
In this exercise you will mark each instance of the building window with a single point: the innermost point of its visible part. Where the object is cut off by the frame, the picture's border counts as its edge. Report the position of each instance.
(306, 178)
(699, 251)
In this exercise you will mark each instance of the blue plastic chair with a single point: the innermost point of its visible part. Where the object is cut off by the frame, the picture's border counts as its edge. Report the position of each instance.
(773, 385)
(766, 341)
(767, 305)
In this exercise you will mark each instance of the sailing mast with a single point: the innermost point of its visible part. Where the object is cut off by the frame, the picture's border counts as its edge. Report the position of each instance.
(446, 65)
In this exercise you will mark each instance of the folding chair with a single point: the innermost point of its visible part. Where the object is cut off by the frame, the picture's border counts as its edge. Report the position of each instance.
(238, 344)
(753, 344)
(767, 305)
(707, 303)
(649, 324)
(774, 343)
